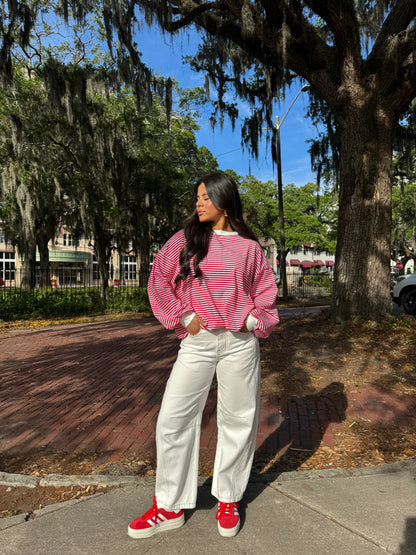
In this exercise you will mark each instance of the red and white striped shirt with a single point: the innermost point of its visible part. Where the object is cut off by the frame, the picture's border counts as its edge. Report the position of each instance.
(237, 281)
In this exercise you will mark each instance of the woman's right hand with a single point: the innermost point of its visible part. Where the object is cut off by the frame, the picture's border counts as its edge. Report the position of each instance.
(195, 325)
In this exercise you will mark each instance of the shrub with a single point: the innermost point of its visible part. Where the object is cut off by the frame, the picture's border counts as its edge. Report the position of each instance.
(319, 280)
(17, 304)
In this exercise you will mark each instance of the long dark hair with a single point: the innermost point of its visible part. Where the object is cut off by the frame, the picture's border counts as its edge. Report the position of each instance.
(223, 193)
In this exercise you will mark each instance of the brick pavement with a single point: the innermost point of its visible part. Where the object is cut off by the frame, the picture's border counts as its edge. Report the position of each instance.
(97, 387)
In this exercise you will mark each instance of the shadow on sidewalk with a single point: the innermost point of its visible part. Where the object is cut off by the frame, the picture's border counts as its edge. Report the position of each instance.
(408, 547)
(300, 427)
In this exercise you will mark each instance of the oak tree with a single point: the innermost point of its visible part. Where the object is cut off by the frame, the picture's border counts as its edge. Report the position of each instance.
(359, 56)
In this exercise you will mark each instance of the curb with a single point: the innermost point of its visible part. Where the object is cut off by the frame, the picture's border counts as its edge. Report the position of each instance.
(19, 480)
(58, 480)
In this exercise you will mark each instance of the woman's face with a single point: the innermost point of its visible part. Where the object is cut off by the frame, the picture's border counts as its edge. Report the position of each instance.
(206, 211)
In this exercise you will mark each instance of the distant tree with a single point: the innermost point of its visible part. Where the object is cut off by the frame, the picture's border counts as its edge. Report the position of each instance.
(260, 204)
(33, 171)
(309, 218)
(310, 221)
(87, 150)
(404, 223)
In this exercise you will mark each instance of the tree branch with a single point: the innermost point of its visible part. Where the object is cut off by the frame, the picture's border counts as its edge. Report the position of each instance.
(341, 18)
(190, 15)
(402, 80)
(399, 18)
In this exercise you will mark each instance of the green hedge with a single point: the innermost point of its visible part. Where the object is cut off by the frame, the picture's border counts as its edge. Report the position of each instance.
(20, 305)
(316, 280)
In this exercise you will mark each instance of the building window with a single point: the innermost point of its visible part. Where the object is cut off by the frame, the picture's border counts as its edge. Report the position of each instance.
(2, 238)
(69, 241)
(70, 274)
(129, 268)
(7, 266)
(96, 272)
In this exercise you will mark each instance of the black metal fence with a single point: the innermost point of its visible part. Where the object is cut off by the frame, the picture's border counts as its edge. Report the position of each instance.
(69, 278)
(304, 286)
(76, 278)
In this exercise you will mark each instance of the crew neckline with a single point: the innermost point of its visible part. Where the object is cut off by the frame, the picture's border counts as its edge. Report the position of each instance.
(223, 232)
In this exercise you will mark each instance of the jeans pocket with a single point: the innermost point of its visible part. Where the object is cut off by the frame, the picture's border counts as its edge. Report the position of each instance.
(195, 335)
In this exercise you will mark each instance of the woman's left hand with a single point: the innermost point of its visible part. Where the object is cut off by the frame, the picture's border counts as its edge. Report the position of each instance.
(244, 329)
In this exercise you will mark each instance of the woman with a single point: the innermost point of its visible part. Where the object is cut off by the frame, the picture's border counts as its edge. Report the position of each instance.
(212, 284)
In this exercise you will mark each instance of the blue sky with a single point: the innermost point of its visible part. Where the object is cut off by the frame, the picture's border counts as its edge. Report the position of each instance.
(163, 54)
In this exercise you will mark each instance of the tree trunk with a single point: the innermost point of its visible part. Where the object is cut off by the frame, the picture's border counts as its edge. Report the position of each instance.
(42, 241)
(362, 269)
(101, 253)
(28, 266)
(144, 270)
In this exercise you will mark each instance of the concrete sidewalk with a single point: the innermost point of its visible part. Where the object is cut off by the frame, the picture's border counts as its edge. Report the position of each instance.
(365, 511)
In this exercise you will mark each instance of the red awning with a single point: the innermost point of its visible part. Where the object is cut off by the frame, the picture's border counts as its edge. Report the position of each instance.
(307, 264)
(318, 263)
(329, 262)
(294, 262)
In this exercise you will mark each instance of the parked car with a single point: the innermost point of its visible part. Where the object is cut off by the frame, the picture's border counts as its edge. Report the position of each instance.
(404, 293)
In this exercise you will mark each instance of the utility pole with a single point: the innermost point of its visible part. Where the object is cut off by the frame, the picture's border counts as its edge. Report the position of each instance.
(282, 240)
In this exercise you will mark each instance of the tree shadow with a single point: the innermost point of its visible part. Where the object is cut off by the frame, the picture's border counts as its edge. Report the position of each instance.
(82, 388)
(408, 546)
(300, 427)
(296, 429)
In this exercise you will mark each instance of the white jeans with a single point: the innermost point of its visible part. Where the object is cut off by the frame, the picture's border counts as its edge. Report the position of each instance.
(236, 358)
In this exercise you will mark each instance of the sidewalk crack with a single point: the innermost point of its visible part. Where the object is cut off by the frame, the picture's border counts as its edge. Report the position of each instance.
(332, 519)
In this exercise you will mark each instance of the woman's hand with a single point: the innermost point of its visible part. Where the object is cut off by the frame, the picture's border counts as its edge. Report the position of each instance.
(195, 324)
(244, 329)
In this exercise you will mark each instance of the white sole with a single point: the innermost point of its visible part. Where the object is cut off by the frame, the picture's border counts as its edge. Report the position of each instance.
(229, 532)
(162, 527)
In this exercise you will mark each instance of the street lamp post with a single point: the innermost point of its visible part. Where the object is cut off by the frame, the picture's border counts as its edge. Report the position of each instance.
(282, 241)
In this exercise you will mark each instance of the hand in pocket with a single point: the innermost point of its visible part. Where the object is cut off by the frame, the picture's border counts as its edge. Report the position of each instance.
(194, 327)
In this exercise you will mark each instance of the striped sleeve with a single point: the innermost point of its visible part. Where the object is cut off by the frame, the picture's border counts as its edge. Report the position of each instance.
(263, 293)
(165, 299)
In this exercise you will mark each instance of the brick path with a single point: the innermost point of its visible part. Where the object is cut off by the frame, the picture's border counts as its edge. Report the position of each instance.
(97, 387)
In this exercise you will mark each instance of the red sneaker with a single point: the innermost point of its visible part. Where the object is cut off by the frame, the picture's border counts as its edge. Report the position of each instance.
(228, 519)
(154, 521)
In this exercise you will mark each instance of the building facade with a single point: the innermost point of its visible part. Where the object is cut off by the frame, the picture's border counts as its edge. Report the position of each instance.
(72, 264)
(302, 260)
(305, 259)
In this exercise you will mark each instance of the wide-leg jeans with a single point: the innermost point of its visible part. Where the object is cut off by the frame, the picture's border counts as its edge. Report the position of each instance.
(235, 358)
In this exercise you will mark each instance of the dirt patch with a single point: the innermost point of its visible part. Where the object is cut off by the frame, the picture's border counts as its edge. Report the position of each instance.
(312, 356)
(25, 500)
(22, 500)
(304, 357)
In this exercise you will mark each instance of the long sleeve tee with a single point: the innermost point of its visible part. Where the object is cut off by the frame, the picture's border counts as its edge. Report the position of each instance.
(237, 281)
